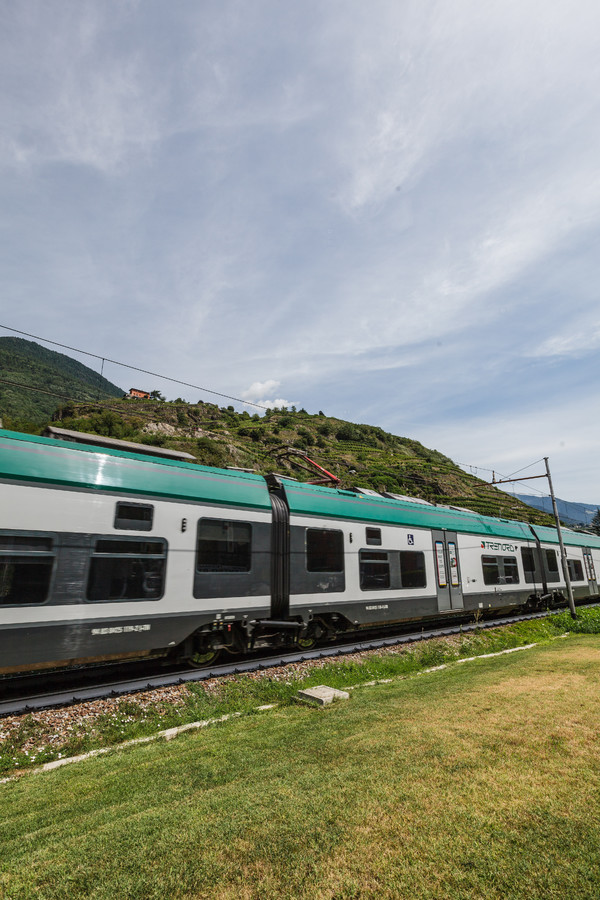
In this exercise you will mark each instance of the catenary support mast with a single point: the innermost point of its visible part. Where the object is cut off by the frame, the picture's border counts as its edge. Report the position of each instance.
(563, 555)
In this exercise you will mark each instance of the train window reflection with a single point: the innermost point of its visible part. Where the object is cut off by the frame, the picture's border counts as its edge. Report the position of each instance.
(575, 570)
(412, 569)
(500, 569)
(127, 570)
(223, 546)
(374, 570)
(26, 565)
(324, 550)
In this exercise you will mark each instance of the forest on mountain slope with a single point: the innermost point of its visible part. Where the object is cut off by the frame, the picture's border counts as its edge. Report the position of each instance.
(25, 366)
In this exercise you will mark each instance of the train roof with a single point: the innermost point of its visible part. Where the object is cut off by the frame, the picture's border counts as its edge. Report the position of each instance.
(315, 500)
(99, 440)
(40, 460)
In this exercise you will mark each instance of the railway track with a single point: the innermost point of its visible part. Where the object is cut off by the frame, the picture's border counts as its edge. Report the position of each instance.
(27, 694)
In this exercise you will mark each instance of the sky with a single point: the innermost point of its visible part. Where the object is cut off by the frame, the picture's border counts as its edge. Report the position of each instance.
(388, 211)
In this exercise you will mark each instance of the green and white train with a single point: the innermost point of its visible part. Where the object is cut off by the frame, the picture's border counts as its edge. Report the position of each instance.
(107, 553)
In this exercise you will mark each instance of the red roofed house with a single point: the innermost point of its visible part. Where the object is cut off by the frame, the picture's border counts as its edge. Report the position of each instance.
(140, 395)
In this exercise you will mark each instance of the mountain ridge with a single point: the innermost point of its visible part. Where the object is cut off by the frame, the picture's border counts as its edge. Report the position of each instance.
(569, 512)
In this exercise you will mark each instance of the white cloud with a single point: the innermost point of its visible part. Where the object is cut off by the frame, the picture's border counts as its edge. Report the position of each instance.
(577, 338)
(259, 391)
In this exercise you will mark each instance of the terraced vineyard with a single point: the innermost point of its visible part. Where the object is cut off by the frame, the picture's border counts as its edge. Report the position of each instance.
(360, 455)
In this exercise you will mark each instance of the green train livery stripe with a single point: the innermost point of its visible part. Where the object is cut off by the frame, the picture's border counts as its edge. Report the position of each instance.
(50, 462)
(312, 500)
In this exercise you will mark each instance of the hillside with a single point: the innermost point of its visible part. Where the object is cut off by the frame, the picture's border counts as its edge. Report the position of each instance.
(60, 377)
(360, 455)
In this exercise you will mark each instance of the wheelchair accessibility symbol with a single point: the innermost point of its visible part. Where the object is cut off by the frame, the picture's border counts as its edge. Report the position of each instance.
(411, 539)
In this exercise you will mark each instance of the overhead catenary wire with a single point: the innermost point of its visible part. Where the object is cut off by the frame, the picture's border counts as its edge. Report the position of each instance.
(115, 362)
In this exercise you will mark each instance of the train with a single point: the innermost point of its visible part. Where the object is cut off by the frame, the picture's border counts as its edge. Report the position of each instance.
(120, 551)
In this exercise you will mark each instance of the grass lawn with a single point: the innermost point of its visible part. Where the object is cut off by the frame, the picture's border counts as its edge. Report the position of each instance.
(481, 780)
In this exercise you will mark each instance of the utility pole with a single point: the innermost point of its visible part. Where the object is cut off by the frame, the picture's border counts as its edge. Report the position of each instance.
(563, 555)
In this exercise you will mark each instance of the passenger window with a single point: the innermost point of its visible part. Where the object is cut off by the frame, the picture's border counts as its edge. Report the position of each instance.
(134, 516)
(374, 570)
(26, 564)
(589, 565)
(453, 559)
(324, 550)
(511, 570)
(412, 569)
(575, 570)
(127, 570)
(528, 560)
(552, 565)
(491, 570)
(440, 564)
(373, 536)
(223, 546)
(500, 569)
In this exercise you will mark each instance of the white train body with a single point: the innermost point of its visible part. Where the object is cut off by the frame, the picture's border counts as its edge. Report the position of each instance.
(112, 554)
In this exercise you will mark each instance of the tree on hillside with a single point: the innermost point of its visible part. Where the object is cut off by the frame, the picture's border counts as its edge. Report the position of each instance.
(595, 523)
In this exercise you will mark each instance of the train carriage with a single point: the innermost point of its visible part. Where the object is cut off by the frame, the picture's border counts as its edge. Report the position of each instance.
(112, 553)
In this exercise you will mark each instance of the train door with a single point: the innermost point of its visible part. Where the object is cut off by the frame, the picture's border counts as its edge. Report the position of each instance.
(447, 570)
(590, 570)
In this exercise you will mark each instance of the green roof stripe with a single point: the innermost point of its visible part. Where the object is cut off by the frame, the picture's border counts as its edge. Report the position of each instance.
(313, 500)
(44, 460)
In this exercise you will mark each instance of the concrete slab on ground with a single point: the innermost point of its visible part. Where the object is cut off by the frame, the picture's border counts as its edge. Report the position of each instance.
(322, 694)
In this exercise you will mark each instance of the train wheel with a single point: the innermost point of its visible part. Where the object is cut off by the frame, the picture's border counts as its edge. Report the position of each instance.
(311, 637)
(201, 659)
(201, 652)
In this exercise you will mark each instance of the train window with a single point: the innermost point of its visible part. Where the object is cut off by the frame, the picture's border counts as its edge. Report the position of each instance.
(127, 570)
(575, 570)
(589, 565)
(412, 569)
(440, 564)
(26, 564)
(491, 570)
(223, 546)
(552, 565)
(528, 560)
(373, 536)
(511, 570)
(23, 543)
(453, 560)
(324, 550)
(500, 569)
(374, 570)
(134, 516)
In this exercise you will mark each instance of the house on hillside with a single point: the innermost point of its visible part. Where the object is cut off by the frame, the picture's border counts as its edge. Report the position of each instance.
(135, 393)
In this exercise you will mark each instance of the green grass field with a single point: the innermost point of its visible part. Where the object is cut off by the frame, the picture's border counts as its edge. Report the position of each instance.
(481, 780)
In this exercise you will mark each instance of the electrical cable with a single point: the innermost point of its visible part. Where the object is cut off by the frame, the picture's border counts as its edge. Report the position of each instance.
(141, 414)
(136, 368)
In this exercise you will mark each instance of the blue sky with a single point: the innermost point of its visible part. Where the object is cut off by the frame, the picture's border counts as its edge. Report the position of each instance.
(388, 211)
